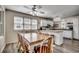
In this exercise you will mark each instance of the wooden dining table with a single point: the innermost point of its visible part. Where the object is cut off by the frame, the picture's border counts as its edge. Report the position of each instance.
(40, 38)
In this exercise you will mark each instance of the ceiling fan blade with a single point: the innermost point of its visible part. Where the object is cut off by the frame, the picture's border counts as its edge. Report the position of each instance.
(27, 7)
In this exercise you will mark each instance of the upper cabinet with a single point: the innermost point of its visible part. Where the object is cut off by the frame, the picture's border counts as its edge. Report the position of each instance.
(73, 23)
(57, 19)
(46, 22)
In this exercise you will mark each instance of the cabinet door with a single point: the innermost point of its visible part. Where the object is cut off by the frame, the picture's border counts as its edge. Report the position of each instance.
(67, 34)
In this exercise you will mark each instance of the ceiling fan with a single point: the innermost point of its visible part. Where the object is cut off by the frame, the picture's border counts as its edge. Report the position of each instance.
(34, 9)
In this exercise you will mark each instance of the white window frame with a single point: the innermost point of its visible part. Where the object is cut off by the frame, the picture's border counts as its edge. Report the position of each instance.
(24, 23)
(18, 21)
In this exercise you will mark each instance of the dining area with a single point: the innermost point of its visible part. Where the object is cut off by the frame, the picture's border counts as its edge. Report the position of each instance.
(43, 43)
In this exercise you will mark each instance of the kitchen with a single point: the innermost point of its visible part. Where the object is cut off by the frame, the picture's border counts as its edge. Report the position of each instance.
(64, 28)
(59, 28)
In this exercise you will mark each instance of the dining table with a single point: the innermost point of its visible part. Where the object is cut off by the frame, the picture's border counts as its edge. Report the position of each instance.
(38, 41)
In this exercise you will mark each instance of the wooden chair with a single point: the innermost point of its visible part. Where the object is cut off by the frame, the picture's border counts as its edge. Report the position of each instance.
(23, 44)
(45, 46)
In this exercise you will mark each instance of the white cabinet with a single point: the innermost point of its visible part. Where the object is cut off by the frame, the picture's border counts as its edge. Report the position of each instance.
(58, 38)
(44, 22)
(75, 21)
(67, 33)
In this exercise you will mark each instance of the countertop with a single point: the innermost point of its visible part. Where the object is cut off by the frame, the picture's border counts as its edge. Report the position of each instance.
(61, 29)
(54, 31)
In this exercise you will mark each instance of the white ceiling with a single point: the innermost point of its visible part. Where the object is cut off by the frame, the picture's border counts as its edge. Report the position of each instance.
(50, 10)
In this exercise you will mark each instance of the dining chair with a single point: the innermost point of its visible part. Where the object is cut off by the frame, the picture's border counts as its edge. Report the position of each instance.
(45, 46)
(23, 44)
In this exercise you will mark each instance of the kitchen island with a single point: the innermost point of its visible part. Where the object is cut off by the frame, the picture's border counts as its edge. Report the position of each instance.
(58, 35)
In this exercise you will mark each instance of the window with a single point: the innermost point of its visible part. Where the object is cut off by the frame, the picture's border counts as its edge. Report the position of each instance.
(27, 24)
(18, 23)
(34, 24)
(21, 23)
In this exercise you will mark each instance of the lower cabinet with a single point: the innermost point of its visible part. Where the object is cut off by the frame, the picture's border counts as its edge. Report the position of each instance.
(67, 34)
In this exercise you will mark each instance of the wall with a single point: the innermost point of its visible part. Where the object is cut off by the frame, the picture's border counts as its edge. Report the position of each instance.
(11, 34)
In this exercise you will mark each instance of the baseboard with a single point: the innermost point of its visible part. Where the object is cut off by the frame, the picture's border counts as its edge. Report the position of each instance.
(67, 38)
(11, 42)
(76, 39)
(71, 38)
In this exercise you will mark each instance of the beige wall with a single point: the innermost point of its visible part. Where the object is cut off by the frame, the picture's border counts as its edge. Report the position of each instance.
(11, 35)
